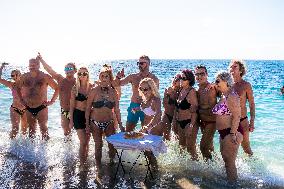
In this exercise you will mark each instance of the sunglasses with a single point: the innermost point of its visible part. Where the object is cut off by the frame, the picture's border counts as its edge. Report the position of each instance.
(200, 74)
(141, 63)
(144, 89)
(66, 69)
(83, 74)
(217, 81)
(183, 78)
(12, 75)
(105, 76)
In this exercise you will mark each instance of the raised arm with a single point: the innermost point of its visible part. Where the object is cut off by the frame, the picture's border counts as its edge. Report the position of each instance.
(54, 86)
(120, 82)
(118, 92)
(3, 81)
(251, 107)
(117, 113)
(48, 68)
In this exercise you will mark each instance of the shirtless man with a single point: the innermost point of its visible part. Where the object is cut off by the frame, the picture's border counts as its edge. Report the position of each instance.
(65, 85)
(32, 90)
(244, 90)
(207, 98)
(133, 116)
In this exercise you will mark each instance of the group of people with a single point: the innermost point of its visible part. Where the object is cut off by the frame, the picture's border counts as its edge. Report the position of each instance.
(92, 109)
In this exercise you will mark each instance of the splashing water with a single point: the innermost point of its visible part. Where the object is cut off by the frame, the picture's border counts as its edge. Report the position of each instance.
(55, 164)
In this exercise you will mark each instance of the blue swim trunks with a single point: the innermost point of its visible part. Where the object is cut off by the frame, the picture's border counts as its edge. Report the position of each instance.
(134, 117)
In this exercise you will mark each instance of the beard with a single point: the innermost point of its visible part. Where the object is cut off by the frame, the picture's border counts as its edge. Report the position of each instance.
(142, 69)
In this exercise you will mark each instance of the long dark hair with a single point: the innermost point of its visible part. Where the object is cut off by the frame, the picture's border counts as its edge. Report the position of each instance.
(189, 76)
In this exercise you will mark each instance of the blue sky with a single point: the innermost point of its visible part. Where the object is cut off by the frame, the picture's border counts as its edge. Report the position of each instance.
(90, 30)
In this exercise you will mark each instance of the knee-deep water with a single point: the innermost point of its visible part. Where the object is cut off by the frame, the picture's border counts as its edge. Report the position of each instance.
(55, 164)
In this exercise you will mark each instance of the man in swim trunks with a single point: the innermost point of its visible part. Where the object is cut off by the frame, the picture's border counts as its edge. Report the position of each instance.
(207, 98)
(134, 79)
(244, 90)
(32, 90)
(65, 85)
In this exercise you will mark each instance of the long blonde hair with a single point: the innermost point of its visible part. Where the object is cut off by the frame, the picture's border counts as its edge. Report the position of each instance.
(78, 84)
(153, 87)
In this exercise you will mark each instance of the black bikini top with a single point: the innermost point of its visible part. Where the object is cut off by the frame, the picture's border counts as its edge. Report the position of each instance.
(81, 97)
(184, 104)
(103, 103)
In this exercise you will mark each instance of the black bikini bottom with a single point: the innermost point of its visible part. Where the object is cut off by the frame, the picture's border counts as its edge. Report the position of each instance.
(79, 119)
(224, 132)
(19, 111)
(242, 119)
(101, 125)
(35, 111)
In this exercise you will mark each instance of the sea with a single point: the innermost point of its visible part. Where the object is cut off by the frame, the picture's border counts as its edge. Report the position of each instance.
(54, 164)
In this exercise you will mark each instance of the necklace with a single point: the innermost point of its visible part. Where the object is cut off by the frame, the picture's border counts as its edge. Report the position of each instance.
(105, 92)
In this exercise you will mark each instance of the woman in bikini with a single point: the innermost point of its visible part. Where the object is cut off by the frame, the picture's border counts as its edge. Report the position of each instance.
(102, 101)
(151, 107)
(170, 96)
(228, 112)
(185, 114)
(169, 100)
(78, 103)
(17, 110)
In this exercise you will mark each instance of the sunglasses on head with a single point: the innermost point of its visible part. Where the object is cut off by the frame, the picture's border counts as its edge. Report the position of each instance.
(200, 74)
(141, 63)
(83, 74)
(144, 89)
(66, 69)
